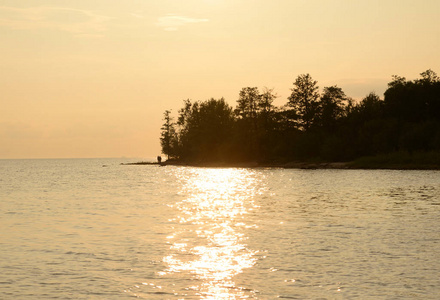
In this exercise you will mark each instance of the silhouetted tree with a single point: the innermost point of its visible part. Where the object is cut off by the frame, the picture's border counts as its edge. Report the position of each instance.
(428, 77)
(332, 106)
(265, 103)
(255, 120)
(413, 101)
(266, 124)
(370, 108)
(246, 112)
(216, 125)
(205, 129)
(168, 137)
(397, 81)
(304, 100)
(247, 103)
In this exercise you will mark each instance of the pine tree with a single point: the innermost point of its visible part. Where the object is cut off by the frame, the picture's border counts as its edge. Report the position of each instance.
(168, 137)
(304, 100)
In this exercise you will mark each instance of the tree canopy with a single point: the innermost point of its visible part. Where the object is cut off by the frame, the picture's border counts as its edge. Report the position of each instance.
(326, 126)
(304, 100)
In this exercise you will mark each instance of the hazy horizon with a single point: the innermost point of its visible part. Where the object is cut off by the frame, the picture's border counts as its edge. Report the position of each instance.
(91, 79)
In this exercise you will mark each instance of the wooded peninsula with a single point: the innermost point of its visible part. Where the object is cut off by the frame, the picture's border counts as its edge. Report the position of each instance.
(402, 130)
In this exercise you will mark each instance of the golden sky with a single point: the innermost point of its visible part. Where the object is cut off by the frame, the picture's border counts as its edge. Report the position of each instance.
(92, 78)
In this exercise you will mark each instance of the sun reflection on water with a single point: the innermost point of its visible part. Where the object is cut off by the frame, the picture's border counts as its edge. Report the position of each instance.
(208, 242)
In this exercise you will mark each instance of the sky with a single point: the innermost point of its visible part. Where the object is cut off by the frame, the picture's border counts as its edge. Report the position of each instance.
(92, 78)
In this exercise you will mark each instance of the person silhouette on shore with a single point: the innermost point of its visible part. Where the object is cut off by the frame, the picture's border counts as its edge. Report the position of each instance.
(159, 159)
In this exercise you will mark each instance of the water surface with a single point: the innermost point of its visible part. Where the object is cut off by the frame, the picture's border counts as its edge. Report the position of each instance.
(93, 229)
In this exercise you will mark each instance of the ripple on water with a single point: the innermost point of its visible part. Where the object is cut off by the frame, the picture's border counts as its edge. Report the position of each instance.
(76, 230)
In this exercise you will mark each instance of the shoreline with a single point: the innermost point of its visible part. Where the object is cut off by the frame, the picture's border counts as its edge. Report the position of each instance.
(289, 165)
(296, 165)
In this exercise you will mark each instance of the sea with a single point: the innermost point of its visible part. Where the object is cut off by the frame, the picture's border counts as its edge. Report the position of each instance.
(96, 229)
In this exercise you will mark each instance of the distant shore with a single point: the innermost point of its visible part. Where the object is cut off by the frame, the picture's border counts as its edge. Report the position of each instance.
(359, 164)
(289, 165)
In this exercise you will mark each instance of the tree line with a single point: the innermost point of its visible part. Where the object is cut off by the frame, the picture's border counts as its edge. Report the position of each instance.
(312, 125)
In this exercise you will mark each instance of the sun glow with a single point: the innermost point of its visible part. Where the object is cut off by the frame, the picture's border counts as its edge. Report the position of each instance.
(212, 248)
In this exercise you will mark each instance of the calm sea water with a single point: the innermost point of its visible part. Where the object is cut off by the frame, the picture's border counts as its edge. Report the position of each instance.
(93, 229)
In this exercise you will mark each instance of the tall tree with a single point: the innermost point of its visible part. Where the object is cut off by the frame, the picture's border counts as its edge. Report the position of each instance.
(266, 110)
(304, 100)
(397, 81)
(216, 123)
(332, 106)
(266, 99)
(205, 129)
(413, 101)
(428, 77)
(370, 108)
(247, 103)
(188, 129)
(247, 112)
(168, 138)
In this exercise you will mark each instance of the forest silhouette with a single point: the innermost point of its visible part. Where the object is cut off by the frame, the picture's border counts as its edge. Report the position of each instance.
(325, 126)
